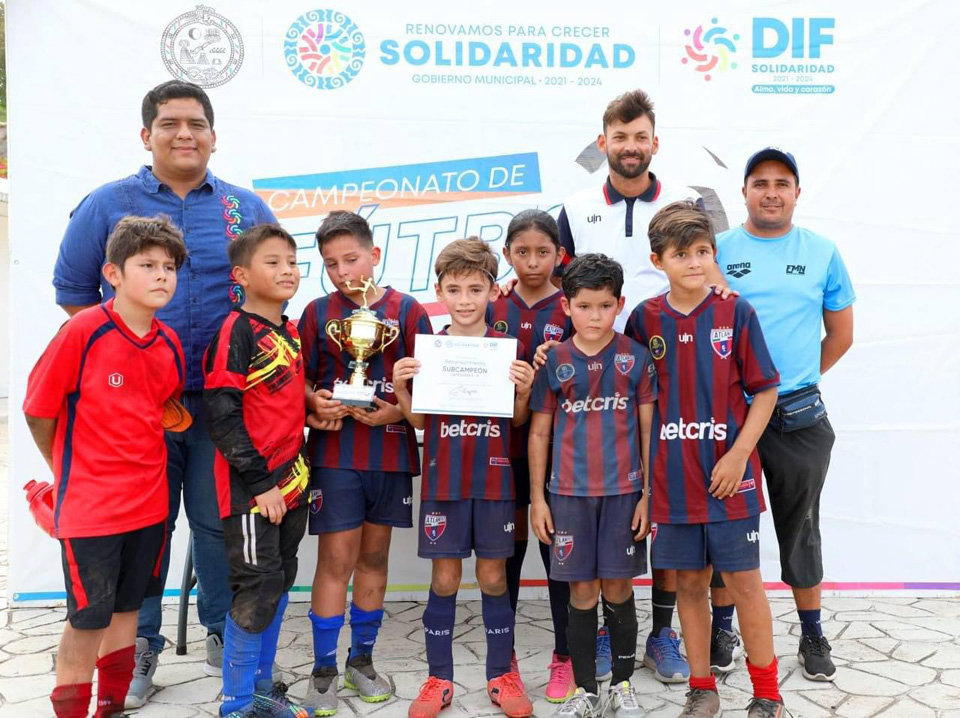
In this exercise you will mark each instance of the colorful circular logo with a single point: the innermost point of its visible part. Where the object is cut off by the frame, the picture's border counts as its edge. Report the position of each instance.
(711, 49)
(658, 347)
(324, 49)
(202, 47)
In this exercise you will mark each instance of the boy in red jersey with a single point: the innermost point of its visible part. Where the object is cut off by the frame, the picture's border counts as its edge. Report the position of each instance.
(533, 313)
(362, 475)
(707, 494)
(596, 391)
(254, 408)
(94, 405)
(467, 500)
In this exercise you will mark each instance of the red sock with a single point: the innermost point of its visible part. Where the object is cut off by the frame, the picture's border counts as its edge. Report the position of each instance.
(764, 681)
(706, 684)
(72, 701)
(114, 673)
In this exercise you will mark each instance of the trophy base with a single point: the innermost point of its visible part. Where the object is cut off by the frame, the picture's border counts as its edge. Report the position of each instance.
(350, 395)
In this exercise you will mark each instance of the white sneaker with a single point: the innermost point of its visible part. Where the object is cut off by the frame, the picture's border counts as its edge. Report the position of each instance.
(622, 700)
(580, 705)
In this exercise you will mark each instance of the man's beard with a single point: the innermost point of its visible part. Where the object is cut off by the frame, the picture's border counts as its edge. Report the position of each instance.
(617, 166)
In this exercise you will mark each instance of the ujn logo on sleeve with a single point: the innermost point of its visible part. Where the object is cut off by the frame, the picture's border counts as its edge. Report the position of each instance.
(203, 47)
(324, 49)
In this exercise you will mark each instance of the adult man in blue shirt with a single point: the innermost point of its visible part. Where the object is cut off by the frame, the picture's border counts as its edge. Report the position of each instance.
(178, 132)
(797, 282)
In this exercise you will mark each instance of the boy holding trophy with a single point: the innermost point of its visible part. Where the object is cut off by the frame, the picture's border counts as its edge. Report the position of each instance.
(361, 476)
(467, 498)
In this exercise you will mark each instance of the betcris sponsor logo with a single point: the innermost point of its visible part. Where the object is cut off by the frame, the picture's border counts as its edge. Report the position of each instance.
(469, 428)
(792, 56)
(600, 403)
(696, 431)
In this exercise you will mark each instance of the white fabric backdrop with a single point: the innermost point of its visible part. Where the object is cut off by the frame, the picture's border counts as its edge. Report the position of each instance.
(863, 96)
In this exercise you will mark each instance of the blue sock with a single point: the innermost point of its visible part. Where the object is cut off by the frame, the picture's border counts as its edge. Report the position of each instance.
(723, 618)
(326, 634)
(810, 623)
(241, 652)
(498, 622)
(364, 627)
(268, 646)
(438, 620)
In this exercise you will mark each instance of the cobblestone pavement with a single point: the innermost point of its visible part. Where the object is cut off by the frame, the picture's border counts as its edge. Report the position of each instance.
(895, 656)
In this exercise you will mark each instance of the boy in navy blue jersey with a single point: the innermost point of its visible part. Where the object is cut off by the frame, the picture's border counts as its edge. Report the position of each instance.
(362, 475)
(253, 404)
(467, 499)
(532, 312)
(596, 391)
(707, 494)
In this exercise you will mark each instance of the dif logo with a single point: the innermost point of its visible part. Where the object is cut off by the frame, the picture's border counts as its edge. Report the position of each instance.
(803, 37)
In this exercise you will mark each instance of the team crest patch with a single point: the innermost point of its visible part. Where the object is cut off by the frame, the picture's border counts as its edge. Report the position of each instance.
(434, 525)
(500, 326)
(562, 547)
(624, 362)
(722, 341)
(315, 500)
(552, 333)
(565, 372)
(658, 347)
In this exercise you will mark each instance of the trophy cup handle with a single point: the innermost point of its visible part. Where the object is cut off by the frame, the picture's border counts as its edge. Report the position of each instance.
(333, 331)
(392, 332)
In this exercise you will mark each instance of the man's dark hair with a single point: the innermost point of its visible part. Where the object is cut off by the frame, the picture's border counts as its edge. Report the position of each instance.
(173, 90)
(628, 107)
(133, 235)
(241, 250)
(678, 225)
(534, 219)
(340, 223)
(592, 271)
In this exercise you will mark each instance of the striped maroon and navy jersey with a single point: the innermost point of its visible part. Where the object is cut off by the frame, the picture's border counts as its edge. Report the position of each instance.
(532, 326)
(106, 388)
(254, 405)
(706, 362)
(468, 457)
(595, 403)
(391, 447)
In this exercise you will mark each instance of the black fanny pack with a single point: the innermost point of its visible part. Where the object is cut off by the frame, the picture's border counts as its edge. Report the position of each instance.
(798, 409)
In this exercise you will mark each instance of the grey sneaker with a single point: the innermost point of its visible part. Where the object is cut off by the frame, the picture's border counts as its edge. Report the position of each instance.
(766, 708)
(580, 705)
(623, 701)
(321, 700)
(144, 666)
(361, 677)
(701, 703)
(214, 664)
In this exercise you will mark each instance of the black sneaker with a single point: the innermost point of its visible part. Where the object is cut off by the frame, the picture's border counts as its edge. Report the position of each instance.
(814, 656)
(725, 649)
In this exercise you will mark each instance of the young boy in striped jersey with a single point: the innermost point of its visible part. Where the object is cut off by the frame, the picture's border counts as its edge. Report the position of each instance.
(596, 392)
(707, 495)
(467, 498)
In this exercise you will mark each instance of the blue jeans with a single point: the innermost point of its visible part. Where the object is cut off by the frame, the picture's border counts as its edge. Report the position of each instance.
(190, 469)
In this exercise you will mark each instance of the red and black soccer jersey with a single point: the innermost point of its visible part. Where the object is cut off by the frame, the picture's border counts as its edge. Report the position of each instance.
(254, 404)
(392, 447)
(706, 361)
(596, 428)
(532, 326)
(106, 388)
(468, 457)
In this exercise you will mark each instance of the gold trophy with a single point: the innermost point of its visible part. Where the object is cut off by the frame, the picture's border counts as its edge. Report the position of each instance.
(361, 335)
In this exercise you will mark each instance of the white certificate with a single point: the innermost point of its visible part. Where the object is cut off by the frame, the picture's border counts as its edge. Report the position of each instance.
(464, 375)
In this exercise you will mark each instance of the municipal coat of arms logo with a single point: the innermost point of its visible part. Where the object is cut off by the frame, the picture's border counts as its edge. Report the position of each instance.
(203, 47)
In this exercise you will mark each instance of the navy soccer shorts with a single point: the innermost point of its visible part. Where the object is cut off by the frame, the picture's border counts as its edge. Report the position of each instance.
(343, 499)
(728, 546)
(454, 529)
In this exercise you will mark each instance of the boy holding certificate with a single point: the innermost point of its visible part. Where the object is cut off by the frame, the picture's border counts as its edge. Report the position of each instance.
(467, 499)
(596, 392)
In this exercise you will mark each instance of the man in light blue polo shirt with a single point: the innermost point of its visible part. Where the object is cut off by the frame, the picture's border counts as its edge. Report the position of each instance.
(799, 286)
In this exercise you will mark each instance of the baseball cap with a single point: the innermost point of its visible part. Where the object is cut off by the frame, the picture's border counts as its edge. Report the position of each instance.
(772, 153)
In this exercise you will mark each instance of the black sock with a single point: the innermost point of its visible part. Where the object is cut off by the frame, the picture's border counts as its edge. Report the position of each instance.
(582, 639)
(514, 569)
(559, 600)
(622, 621)
(663, 604)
